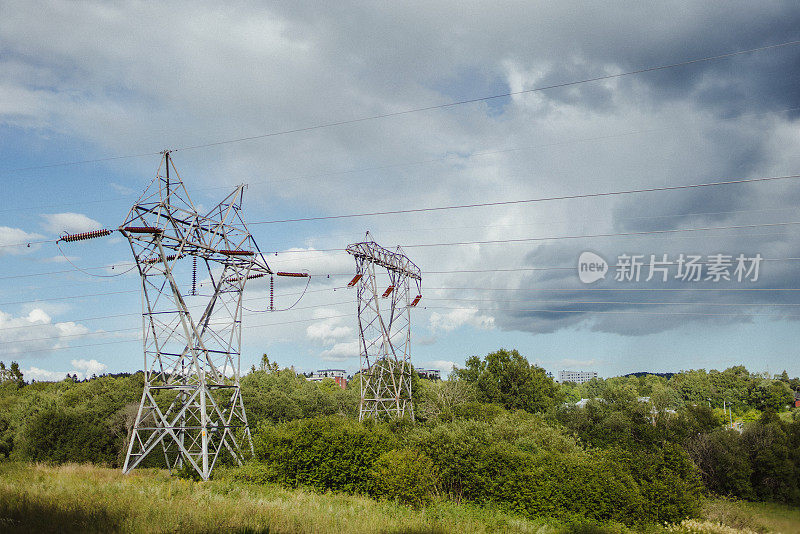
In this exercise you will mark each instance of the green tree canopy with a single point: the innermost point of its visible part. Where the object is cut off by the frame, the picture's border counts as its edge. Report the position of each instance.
(507, 378)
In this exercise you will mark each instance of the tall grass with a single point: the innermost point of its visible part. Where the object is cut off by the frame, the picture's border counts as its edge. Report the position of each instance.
(81, 498)
(85, 498)
(756, 516)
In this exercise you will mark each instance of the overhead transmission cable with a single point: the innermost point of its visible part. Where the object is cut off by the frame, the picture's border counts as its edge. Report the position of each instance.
(423, 109)
(534, 200)
(490, 97)
(532, 310)
(407, 163)
(514, 202)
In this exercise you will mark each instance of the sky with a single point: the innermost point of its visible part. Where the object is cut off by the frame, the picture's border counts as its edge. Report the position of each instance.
(341, 109)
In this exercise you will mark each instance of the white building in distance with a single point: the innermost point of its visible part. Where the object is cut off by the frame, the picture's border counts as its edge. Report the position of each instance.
(338, 375)
(579, 377)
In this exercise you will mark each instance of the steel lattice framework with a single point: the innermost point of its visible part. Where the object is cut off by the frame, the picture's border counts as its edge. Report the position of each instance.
(191, 406)
(385, 330)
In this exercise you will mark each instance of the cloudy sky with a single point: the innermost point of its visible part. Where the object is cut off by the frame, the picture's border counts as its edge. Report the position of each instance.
(90, 92)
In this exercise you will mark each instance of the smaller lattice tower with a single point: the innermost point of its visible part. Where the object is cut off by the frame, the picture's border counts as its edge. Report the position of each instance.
(384, 324)
(191, 408)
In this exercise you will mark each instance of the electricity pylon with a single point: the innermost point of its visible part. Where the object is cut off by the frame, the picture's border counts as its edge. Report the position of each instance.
(191, 406)
(384, 330)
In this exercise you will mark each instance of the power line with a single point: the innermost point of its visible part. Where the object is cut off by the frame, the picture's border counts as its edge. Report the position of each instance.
(623, 302)
(421, 109)
(580, 236)
(29, 275)
(71, 297)
(612, 289)
(491, 97)
(534, 310)
(531, 200)
(500, 203)
(120, 330)
(47, 338)
(418, 162)
(452, 271)
(81, 162)
(115, 316)
(619, 312)
(278, 295)
(615, 234)
(552, 222)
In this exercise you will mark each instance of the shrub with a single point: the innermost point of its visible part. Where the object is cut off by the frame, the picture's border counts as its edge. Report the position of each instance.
(406, 475)
(327, 453)
(59, 435)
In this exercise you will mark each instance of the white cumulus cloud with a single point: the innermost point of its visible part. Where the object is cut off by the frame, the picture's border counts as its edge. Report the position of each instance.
(341, 352)
(327, 331)
(82, 368)
(42, 375)
(89, 367)
(36, 332)
(69, 222)
(457, 318)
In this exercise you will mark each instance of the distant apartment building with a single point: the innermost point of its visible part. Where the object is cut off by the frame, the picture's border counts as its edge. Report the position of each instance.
(579, 377)
(338, 375)
(429, 374)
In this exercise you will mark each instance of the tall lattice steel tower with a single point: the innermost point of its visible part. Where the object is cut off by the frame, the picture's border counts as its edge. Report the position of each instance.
(385, 329)
(191, 406)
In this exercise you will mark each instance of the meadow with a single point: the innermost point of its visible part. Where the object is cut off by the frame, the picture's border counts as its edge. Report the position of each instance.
(86, 498)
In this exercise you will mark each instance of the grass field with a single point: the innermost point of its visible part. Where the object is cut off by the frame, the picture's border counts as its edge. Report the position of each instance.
(756, 516)
(82, 498)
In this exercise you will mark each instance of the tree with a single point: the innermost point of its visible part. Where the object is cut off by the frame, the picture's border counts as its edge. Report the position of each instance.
(507, 378)
(268, 366)
(12, 374)
(438, 399)
(694, 386)
(771, 394)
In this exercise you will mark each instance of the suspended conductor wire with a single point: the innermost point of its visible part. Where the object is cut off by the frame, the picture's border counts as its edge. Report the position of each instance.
(491, 97)
(534, 200)
(423, 109)
(84, 271)
(302, 294)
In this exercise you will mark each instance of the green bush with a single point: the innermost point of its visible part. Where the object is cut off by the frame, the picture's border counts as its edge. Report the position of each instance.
(406, 475)
(59, 435)
(327, 453)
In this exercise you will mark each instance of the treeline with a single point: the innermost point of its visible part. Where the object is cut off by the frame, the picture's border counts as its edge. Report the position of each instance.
(735, 388)
(638, 449)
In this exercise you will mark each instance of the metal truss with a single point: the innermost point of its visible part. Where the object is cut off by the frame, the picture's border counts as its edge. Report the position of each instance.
(191, 407)
(385, 329)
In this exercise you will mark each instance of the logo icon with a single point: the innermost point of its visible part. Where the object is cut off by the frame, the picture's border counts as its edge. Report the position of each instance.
(591, 267)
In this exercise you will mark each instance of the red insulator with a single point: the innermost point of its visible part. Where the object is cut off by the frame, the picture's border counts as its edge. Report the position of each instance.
(294, 275)
(236, 252)
(354, 281)
(249, 277)
(387, 292)
(142, 230)
(157, 259)
(415, 301)
(85, 235)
